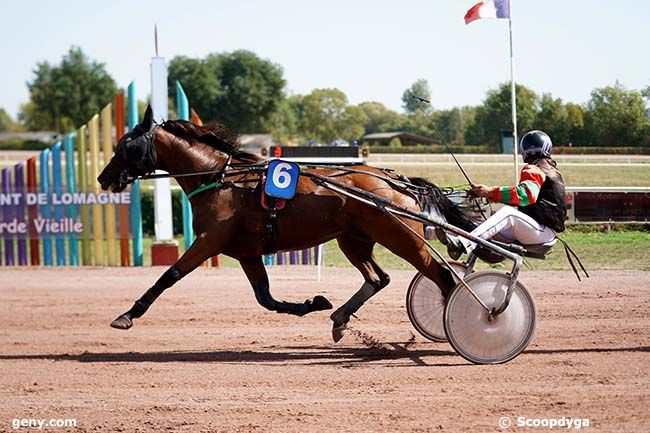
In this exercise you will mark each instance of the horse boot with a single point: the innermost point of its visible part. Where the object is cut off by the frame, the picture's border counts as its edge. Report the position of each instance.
(341, 316)
(319, 303)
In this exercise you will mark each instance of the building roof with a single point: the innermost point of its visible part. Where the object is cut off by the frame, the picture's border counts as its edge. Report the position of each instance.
(44, 136)
(256, 141)
(387, 136)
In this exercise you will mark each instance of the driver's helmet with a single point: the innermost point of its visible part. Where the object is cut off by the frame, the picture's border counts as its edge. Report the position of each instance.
(535, 144)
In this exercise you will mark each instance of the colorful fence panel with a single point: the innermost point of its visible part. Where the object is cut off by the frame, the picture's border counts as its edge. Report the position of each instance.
(19, 187)
(183, 107)
(136, 211)
(71, 187)
(53, 211)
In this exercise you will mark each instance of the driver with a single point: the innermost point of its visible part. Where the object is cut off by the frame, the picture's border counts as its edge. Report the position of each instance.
(540, 199)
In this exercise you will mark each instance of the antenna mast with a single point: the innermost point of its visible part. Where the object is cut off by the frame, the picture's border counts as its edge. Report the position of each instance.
(155, 37)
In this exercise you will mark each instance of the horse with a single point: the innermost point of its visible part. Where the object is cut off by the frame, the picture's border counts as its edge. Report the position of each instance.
(229, 217)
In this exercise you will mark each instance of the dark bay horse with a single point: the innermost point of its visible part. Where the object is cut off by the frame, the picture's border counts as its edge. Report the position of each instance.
(229, 218)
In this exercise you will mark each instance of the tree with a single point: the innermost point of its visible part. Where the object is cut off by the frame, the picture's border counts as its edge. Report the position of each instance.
(420, 89)
(239, 88)
(283, 124)
(576, 119)
(381, 119)
(553, 118)
(6, 122)
(200, 80)
(496, 114)
(327, 116)
(65, 96)
(616, 117)
(452, 124)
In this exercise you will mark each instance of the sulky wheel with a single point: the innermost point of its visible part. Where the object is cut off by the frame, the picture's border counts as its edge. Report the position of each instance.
(482, 339)
(425, 305)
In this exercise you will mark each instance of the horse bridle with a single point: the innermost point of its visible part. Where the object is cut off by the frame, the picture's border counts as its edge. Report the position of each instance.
(144, 165)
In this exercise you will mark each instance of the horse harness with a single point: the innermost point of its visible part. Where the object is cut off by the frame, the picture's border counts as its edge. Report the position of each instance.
(273, 205)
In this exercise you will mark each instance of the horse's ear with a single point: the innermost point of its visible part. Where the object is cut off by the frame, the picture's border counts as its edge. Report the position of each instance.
(147, 120)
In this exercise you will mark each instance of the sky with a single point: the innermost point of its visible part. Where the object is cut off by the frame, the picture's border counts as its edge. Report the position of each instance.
(371, 50)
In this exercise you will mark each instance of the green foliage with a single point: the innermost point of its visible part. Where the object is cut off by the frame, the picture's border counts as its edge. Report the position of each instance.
(576, 119)
(327, 116)
(420, 89)
(616, 117)
(148, 212)
(284, 123)
(381, 119)
(587, 150)
(239, 89)
(423, 148)
(553, 118)
(64, 96)
(19, 144)
(7, 124)
(496, 114)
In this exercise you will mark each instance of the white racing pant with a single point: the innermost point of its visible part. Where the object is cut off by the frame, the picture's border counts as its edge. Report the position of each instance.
(509, 224)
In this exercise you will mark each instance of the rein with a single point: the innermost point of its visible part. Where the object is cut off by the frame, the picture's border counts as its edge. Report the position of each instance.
(400, 183)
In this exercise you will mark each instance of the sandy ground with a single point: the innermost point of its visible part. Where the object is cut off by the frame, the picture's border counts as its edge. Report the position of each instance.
(207, 358)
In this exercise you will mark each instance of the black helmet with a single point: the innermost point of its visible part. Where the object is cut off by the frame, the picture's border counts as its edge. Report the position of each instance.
(535, 144)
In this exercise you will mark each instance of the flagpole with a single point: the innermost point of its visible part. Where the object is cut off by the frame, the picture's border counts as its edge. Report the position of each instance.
(515, 144)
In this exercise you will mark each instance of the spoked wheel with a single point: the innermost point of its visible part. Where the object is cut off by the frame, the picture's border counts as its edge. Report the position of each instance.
(482, 339)
(425, 305)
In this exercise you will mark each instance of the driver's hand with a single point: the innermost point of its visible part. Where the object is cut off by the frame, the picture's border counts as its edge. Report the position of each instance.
(480, 190)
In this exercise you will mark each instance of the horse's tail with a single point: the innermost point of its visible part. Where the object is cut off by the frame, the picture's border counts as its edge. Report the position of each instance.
(434, 200)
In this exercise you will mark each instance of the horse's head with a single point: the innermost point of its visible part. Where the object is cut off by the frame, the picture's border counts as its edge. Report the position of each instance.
(135, 155)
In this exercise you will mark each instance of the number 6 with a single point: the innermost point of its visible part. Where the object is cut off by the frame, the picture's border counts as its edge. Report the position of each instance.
(281, 175)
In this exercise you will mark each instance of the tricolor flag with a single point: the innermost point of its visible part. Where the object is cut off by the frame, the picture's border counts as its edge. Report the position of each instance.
(488, 9)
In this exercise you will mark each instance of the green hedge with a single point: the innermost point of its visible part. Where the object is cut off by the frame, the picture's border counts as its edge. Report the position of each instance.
(148, 216)
(18, 144)
(602, 150)
(434, 148)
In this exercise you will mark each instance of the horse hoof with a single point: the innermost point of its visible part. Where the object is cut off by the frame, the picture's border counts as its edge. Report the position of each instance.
(338, 331)
(122, 322)
(320, 303)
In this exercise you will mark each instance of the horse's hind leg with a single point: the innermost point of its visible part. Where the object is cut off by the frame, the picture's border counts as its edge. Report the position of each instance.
(412, 249)
(358, 250)
(254, 269)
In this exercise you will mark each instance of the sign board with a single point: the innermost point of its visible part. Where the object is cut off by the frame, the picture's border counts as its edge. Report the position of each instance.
(611, 206)
(31, 215)
(282, 179)
(322, 154)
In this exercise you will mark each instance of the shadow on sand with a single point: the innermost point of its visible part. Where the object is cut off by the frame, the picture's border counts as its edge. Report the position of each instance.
(306, 355)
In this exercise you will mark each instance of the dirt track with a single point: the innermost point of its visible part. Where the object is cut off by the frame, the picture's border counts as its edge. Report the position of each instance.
(207, 358)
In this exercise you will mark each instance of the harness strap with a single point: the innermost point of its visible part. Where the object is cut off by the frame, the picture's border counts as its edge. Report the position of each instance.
(567, 250)
(204, 188)
(271, 228)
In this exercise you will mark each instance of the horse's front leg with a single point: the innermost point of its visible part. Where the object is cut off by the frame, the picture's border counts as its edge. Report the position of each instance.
(254, 269)
(196, 254)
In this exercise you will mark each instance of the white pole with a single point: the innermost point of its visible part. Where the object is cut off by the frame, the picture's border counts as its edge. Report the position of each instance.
(320, 260)
(162, 189)
(515, 144)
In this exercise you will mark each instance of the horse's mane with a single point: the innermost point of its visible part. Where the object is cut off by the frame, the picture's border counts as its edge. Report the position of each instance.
(459, 215)
(212, 134)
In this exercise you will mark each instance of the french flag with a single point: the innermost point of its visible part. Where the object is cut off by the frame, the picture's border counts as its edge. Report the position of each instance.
(488, 9)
